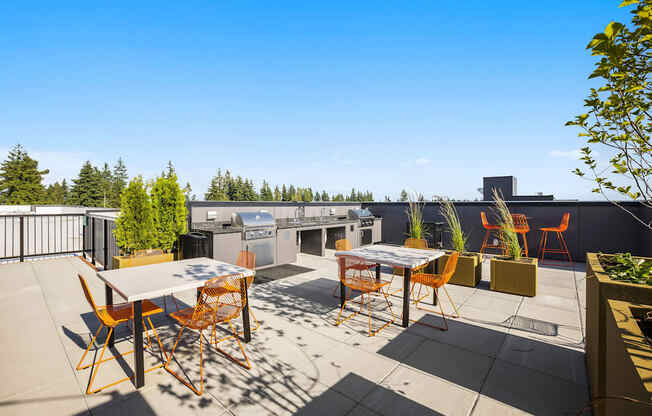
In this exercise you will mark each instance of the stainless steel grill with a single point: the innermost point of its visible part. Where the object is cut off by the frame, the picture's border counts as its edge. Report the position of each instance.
(365, 216)
(258, 234)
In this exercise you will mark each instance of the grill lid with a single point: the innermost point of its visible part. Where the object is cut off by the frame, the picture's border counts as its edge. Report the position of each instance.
(253, 219)
(360, 213)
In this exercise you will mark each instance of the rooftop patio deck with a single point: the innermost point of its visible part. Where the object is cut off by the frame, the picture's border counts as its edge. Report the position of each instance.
(495, 359)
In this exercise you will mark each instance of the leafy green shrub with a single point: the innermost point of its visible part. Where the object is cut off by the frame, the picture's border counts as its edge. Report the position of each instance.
(135, 226)
(458, 238)
(625, 268)
(169, 211)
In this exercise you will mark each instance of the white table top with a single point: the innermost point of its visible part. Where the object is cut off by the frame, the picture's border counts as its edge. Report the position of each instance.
(154, 280)
(394, 256)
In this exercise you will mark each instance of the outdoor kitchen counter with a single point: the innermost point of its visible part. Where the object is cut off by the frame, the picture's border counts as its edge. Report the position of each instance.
(215, 228)
(313, 223)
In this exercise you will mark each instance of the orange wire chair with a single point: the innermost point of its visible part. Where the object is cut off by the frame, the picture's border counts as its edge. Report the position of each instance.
(563, 226)
(437, 281)
(111, 316)
(491, 229)
(353, 276)
(345, 245)
(521, 227)
(221, 300)
(419, 243)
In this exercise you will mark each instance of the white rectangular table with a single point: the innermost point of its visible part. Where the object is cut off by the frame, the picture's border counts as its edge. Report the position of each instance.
(136, 284)
(394, 256)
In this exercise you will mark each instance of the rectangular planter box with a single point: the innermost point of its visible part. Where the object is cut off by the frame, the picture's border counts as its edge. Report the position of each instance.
(121, 262)
(468, 271)
(599, 289)
(629, 369)
(515, 277)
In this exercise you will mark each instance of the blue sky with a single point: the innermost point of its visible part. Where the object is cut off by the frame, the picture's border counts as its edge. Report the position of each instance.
(424, 95)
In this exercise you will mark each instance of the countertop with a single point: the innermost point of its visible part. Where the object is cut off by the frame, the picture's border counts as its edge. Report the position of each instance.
(281, 223)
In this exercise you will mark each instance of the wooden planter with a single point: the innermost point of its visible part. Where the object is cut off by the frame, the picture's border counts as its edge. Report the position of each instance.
(468, 271)
(518, 277)
(121, 262)
(629, 370)
(599, 290)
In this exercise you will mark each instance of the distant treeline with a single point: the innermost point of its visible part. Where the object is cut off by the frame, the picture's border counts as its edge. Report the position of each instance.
(226, 187)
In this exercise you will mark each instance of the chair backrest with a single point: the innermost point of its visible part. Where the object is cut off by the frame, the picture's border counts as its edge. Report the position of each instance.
(246, 259)
(520, 222)
(415, 243)
(219, 291)
(563, 226)
(89, 295)
(354, 264)
(343, 245)
(450, 267)
(483, 217)
(88, 263)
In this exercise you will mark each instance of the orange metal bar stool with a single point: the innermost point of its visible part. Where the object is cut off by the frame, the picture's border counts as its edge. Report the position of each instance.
(543, 249)
(521, 227)
(495, 229)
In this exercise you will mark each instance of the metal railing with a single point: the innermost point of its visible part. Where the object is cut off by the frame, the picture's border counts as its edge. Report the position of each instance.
(37, 235)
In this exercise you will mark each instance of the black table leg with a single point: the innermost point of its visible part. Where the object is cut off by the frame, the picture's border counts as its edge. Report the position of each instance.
(245, 310)
(342, 287)
(378, 272)
(139, 359)
(434, 292)
(108, 294)
(406, 296)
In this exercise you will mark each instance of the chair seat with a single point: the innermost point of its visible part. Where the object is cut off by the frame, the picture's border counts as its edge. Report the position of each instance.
(428, 279)
(205, 318)
(363, 285)
(361, 267)
(551, 229)
(112, 315)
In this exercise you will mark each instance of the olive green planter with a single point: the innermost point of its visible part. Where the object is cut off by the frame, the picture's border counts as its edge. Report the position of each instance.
(599, 289)
(518, 277)
(121, 262)
(629, 370)
(468, 271)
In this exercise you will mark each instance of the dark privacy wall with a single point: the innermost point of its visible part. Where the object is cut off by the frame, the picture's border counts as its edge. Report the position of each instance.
(594, 225)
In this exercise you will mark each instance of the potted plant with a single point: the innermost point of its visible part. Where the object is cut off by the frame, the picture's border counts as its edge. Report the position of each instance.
(416, 227)
(169, 212)
(469, 265)
(620, 277)
(134, 232)
(511, 273)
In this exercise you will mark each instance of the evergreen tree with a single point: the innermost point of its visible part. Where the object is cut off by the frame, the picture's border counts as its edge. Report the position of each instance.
(338, 198)
(324, 196)
(20, 179)
(106, 182)
(217, 190)
(317, 196)
(119, 181)
(284, 194)
(266, 192)
(292, 193)
(353, 196)
(307, 195)
(87, 188)
(66, 192)
(135, 226)
(169, 170)
(187, 190)
(169, 213)
(277, 194)
(56, 194)
(387, 198)
(404, 196)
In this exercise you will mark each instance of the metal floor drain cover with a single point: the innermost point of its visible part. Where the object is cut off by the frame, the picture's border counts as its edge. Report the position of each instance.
(532, 325)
